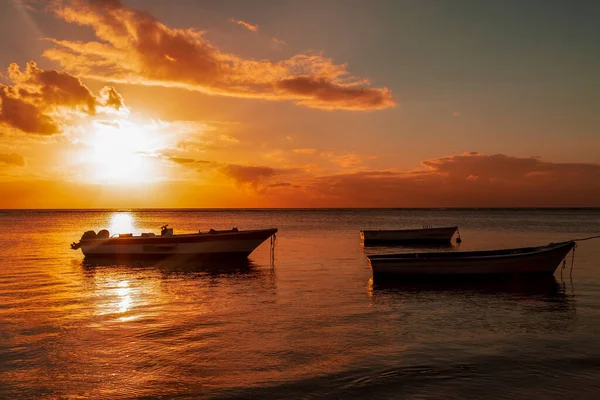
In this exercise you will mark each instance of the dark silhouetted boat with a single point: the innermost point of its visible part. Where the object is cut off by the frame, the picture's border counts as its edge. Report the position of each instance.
(427, 235)
(527, 260)
(212, 244)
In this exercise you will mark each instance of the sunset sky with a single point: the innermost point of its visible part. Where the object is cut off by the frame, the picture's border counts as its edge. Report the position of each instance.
(299, 103)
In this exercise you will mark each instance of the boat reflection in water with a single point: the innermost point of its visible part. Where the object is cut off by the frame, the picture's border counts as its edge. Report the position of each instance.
(183, 265)
(484, 312)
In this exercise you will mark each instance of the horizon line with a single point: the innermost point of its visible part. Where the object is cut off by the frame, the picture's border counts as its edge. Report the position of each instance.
(299, 208)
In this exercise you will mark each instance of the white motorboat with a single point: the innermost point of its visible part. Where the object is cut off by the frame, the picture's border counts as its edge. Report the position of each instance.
(232, 243)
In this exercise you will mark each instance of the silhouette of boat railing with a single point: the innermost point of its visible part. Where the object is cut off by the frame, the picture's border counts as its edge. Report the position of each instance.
(426, 235)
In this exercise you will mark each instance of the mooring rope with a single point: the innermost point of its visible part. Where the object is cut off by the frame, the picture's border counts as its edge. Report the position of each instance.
(273, 244)
(587, 238)
(573, 253)
(573, 260)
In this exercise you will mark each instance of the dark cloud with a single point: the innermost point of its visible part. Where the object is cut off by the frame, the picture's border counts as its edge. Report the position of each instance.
(245, 174)
(467, 180)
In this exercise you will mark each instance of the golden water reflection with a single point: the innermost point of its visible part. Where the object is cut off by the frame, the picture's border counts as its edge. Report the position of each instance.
(124, 293)
(119, 297)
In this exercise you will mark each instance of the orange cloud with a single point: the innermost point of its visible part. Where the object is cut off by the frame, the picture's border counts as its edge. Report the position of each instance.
(244, 174)
(443, 182)
(12, 159)
(351, 159)
(134, 47)
(257, 177)
(467, 180)
(250, 27)
(305, 151)
(277, 44)
(187, 161)
(28, 105)
(109, 97)
(19, 114)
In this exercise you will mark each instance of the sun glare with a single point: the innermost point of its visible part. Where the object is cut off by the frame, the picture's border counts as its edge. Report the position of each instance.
(117, 153)
(121, 223)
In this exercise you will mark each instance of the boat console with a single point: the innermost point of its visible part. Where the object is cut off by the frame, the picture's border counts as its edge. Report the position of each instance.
(166, 231)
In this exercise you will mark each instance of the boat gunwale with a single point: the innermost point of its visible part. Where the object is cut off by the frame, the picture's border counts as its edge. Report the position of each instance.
(410, 230)
(176, 238)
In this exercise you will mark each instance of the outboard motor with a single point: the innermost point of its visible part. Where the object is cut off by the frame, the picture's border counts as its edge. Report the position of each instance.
(89, 235)
(86, 236)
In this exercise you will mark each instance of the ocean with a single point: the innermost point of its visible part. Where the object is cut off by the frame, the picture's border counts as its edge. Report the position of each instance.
(311, 325)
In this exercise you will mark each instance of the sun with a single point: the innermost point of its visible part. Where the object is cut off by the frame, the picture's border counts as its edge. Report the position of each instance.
(119, 152)
(121, 223)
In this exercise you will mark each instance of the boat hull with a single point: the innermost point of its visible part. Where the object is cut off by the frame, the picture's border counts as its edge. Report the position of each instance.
(428, 235)
(230, 245)
(543, 260)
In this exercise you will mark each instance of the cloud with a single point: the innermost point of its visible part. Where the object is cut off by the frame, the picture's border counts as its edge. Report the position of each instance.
(282, 184)
(134, 47)
(29, 105)
(305, 151)
(462, 180)
(109, 97)
(347, 160)
(19, 114)
(169, 155)
(185, 160)
(28, 5)
(467, 180)
(228, 138)
(277, 44)
(244, 174)
(351, 159)
(12, 159)
(250, 27)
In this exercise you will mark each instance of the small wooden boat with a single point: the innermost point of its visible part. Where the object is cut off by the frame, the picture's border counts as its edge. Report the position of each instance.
(212, 244)
(425, 235)
(543, 259)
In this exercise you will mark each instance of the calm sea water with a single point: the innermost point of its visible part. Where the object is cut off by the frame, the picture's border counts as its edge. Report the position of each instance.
(313, 326)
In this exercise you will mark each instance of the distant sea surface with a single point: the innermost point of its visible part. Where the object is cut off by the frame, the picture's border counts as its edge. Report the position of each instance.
(313, 325)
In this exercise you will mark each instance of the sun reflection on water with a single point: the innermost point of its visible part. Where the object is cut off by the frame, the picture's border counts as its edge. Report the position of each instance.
(120, 299)
(124, 292)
